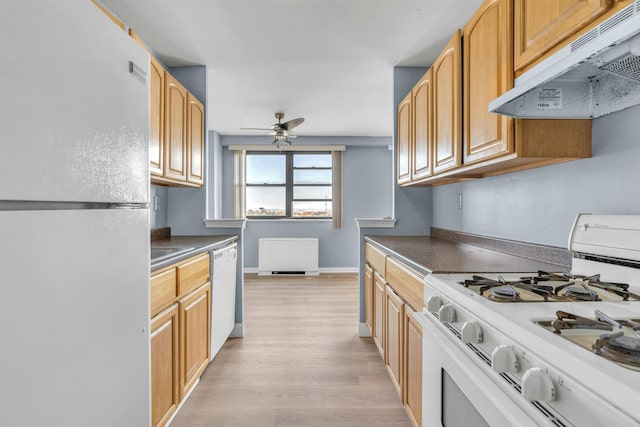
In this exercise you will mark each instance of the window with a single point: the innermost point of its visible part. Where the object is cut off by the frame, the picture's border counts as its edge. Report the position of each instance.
(289, 185)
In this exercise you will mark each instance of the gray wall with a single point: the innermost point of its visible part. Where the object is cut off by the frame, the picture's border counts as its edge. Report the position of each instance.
(367, 192)
(158, 218)
(194, 78)
(539, 205)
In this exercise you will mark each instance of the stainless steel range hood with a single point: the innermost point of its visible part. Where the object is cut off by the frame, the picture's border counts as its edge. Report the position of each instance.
(597, 74)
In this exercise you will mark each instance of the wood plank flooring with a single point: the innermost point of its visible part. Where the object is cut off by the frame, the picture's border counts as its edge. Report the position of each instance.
(300, 363)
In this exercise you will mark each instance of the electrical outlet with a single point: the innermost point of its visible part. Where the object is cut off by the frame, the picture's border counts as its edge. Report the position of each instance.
(459, 201)
(156, 203)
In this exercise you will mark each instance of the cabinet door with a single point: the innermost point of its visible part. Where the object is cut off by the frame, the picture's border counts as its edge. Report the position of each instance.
(447, 107)
(175, 135)
(195, 336)
(542, 24)
(404, 140)
(488, 73)
(394, 345)
(378, 313)
(156, 131)
(195, 140)
(164, 366)
(413, 366)
(368, 297)
(422, 128)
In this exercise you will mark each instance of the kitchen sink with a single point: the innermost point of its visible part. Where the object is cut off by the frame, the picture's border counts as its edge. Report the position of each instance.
(160, 253)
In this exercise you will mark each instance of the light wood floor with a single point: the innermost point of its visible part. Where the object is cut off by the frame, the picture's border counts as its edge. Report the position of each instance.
(300, 363)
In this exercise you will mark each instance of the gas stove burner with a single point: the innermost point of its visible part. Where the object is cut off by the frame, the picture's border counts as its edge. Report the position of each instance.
(619, 347)
(566, 320)
(505, 293)
(544, 276)
(581, 293)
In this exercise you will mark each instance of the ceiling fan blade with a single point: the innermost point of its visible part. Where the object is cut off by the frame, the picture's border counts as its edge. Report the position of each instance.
(256, 129)
(292, 123)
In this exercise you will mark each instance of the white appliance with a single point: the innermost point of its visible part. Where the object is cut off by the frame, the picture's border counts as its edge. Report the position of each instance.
(530, 349)
(223, 295)
(74, 224)
(596, 74)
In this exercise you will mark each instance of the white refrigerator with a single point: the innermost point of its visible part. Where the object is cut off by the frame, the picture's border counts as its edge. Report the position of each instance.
(74, 221)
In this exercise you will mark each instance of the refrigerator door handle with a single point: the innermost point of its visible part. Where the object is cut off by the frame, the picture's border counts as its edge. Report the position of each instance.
(137, 72)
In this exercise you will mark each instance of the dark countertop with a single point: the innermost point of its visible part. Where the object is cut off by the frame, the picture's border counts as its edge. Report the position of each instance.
(432, 255)
(194, 244)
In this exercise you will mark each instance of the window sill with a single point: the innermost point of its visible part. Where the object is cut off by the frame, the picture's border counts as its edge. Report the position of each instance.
(301, 220)
(225, 223)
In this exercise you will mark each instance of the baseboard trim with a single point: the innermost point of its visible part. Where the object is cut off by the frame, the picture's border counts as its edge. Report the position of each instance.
(238, 331)
(363, 330)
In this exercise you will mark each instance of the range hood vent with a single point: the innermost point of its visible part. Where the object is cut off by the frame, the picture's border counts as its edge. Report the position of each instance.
(597, 74)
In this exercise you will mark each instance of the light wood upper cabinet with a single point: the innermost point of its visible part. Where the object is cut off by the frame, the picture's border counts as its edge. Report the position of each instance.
(195, 140)
(165, 395)
(404, 140)
(195, 334)
(468, 142)
(413, 366)
(175, 125)
(447, 106)
(542, 24)
(156, 131)
(488, 73)
(422, 141)
(176, 147)
(394, 344)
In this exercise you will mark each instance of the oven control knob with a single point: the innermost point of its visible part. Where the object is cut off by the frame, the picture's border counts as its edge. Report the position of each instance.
(503, 359)
(537, 385)
(447, 314)
(471, 332)
(433, 304)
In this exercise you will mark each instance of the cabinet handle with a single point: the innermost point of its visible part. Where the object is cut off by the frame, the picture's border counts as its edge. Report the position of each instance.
(137, 72)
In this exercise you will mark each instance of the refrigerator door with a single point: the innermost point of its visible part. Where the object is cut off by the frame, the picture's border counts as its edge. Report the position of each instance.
(74, 323)
(73, 120)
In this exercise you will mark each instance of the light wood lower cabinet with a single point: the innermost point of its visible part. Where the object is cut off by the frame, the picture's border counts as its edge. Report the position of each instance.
(394, 344)
(412, 366)
(180, 333)
(195, 335)
(165, 396)
(368, 297)
(378, 312)
(391, 301)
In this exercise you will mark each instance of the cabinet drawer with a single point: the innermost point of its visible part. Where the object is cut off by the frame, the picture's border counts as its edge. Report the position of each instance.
(163, 290)
(407, 285)
(375, 258)
(193, 273)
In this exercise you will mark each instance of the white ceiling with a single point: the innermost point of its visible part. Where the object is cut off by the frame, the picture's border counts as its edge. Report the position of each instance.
(329, 61)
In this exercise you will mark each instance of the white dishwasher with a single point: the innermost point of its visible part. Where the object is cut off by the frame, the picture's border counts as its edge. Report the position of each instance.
(223, 295)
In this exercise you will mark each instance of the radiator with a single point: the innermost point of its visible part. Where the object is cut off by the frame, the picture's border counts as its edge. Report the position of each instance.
(288, 256)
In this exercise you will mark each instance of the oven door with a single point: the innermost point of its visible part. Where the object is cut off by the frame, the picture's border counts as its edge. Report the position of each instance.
(456, 392)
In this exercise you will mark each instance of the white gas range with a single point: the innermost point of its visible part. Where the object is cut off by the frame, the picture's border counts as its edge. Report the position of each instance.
(538, 348)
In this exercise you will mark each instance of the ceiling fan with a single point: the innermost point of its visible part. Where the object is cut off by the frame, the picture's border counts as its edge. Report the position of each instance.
(281, 132)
